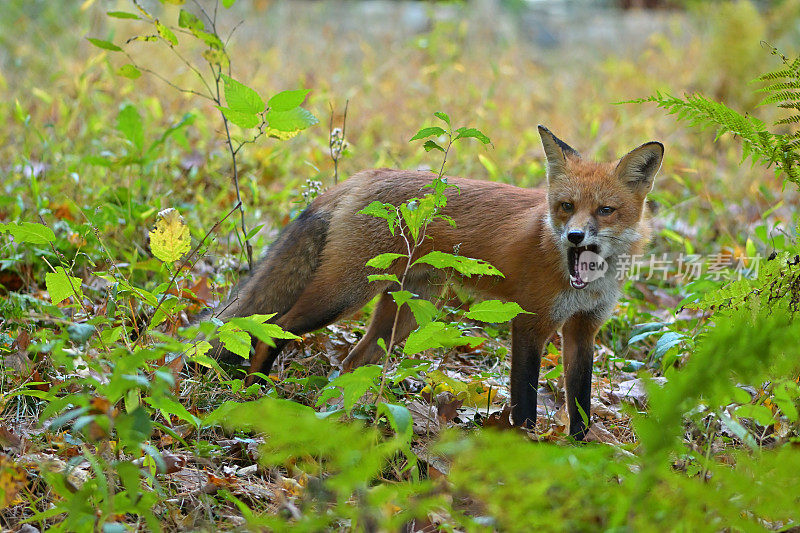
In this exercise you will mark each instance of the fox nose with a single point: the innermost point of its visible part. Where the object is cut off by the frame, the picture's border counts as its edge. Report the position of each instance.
(575, 236)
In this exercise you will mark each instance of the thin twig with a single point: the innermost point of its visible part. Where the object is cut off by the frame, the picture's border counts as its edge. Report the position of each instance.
(179, 269)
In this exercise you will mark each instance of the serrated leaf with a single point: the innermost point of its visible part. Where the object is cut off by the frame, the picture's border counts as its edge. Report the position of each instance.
(431, 145)
(129, 71)
(423, 310)
(291, 121)
(494, 311)
(105, 45)
(190, 21)
(170, 238)
(464, 265)
(29, 232)
(443, 116)
(287, 100)
(265, 332)
(437, 335)
(61, 285)
(463, 133)
(240, 118)
(430, 131)
(353, 385)
(122, 15)
(383, 277)
(129, 123)
(240, 97)
(236, 341)
(166, 34)
(383, 260)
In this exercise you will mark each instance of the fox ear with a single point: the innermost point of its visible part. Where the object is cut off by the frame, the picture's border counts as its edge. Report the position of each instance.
(556, 151)
(638, 167)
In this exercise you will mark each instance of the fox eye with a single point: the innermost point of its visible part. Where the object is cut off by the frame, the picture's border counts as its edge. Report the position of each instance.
(567, 206)
(605, 210)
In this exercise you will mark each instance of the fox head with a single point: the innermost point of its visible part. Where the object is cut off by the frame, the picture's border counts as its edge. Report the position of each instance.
(596, 210)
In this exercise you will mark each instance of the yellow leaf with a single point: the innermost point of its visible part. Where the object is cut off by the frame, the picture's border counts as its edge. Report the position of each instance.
(170, 238)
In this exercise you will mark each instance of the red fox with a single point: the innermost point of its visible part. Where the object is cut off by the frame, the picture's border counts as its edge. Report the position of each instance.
(544, 241)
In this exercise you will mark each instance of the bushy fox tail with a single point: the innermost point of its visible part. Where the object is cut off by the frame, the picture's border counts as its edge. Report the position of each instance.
(279, 278)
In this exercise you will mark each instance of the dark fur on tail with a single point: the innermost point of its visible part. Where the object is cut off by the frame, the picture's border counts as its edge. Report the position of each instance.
(279, 278)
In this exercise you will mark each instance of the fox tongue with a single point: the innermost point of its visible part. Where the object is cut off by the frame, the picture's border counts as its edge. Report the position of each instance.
(575, 280)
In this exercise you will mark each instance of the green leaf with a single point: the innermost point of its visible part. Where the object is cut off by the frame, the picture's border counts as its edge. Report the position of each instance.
(166, 34)
(464, 265)
(785, 395)
(105, 45)
(645, 330)
(290, 121)
(494, 311)
(190, 21)
(133, 428)
(236, 341)
(428, 132)
(443, 116)
(423, 310)
(61, 285)
(431, 145)
(555, 372)
(122, 15)
(760, 413)
(215, 55)
(240, 97)
(472, 132)
(354, 384)
(129, 123)
(263, 332)
(399, 418)
(437, 335)
(667, 341)
(168, 406)
(240, 118)
(29, 232)
(286, 100)
(129, 71)
(381, 210)
(383, 277)
(383, 260)
(227, 3)
(738, 429)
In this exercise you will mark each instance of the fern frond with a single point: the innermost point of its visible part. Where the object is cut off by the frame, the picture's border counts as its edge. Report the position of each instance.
(794, 119)
(795, 84)
(778, 74)
(781, 96)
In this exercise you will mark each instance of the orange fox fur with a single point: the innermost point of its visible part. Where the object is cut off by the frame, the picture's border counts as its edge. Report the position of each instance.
(315, 272)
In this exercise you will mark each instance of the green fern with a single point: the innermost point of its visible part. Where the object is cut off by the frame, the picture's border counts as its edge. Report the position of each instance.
(758, 143)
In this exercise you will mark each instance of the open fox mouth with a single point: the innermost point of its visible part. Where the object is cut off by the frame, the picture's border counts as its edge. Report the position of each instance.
(573, 259)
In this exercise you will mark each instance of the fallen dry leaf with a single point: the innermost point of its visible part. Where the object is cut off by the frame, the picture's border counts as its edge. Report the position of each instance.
(499, 420)
(598, 433)
(633, 391)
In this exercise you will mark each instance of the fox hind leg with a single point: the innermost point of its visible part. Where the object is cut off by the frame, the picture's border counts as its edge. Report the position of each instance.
(367, 351)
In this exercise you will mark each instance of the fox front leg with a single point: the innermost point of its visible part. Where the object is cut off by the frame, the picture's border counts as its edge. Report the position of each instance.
(527, 343)
(578, 336)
